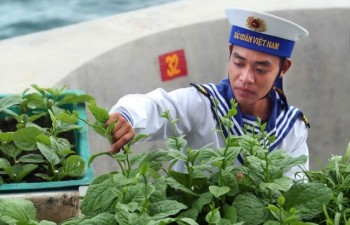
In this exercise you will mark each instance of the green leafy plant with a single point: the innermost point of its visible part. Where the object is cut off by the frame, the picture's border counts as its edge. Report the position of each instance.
(336, 176)
(37, 136)
(19, 211)
(213, 189)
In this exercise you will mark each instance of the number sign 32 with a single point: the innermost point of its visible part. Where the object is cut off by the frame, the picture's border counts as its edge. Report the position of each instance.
(172, 65)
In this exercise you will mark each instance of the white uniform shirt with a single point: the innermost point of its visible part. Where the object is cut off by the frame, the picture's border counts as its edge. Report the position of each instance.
(195, 120)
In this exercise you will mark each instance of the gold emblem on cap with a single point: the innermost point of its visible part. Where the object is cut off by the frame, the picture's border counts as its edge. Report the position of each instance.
(256, 24)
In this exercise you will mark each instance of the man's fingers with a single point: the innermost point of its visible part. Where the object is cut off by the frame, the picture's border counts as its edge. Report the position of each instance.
(121, 124)
(113, 118)
(120, 141)
(122, 132)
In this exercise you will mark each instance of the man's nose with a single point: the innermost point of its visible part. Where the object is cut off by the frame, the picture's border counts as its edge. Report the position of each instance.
(247, 76)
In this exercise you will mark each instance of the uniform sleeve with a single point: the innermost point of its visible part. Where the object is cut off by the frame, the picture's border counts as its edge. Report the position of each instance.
(297, 146)
(144, 111)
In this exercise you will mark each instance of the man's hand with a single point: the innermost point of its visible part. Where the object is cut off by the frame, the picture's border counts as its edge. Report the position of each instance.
(122, 133)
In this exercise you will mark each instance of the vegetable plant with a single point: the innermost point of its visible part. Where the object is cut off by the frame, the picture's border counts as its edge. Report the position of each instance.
(19, 211)
(213, 189)
(37, 141)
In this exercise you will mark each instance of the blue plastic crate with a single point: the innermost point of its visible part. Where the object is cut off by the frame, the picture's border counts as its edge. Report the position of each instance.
(82, 149)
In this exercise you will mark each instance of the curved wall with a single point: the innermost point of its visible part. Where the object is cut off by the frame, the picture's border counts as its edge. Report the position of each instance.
(317, 82)
(110, 65)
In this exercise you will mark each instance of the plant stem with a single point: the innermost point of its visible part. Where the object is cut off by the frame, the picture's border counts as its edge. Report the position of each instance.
(128, 164)
(121, 167)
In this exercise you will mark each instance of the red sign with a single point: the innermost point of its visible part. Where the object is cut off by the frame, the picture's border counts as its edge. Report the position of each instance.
(173, 65)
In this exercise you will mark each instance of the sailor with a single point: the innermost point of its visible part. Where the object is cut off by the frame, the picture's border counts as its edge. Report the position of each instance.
(260, 48)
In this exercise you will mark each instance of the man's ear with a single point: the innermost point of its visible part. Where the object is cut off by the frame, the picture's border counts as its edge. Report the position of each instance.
(230, 47)
(287, 64)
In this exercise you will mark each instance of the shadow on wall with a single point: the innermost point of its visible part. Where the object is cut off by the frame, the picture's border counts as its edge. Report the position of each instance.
(317, 82)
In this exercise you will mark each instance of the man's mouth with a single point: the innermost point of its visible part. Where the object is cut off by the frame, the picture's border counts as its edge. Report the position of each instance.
(244, 91)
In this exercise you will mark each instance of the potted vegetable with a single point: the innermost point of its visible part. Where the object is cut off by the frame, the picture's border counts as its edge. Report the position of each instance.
(43, 140)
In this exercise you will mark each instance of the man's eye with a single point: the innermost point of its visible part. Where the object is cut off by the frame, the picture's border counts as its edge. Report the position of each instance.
(238, 64)
(261, 71)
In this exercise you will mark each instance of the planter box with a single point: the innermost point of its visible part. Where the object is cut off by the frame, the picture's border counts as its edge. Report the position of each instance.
(82, 149)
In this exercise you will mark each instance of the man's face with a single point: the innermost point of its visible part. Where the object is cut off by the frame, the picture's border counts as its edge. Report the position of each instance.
(251, 74)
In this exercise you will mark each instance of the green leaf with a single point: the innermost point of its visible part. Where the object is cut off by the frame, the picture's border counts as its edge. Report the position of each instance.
(289, 162)
(10, 150)
(8, 102)
(176, 143)
(156, 158)
(138, 138)
(178, 155)
(45, 177)
(71, 98)
(230, 180)
(176, 185)
(104, 218)
(138, 158)
(25, 138)
(307, 198)
(17, 209)
(46, 222)
(60, 145)
(39, 89)
(213, 217)
(189, 221)
(99, 128)
(250, 209)
(346, 156)
(162, 209)
(99, 198)
(144, 168)
(148, 190)
(31, 158)
(4, 163)
(93, 157)
(123, 215)
(218, 191)
(35, 101)
(6, 138)
(21, 171)
(108, 131)
(134, 193)
(231, 154)
(230, 213)
(189, 213)
(276, 185)
(44, 139)
(256, 163)
(49, 154)
(66, 117)
(272, 222)
(100, 114)
(74, 166)
(203, 200)
(208, 156)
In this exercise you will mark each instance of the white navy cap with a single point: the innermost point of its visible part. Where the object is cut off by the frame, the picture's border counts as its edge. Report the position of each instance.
(263, 32)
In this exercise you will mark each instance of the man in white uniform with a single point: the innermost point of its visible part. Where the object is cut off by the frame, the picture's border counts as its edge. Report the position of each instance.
(260, 47)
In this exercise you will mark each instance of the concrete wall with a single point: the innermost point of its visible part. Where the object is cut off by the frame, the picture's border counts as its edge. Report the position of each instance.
(111, 57)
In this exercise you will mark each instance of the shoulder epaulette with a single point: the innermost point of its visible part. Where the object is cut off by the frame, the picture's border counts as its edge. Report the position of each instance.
(201, 89)
(306, 121)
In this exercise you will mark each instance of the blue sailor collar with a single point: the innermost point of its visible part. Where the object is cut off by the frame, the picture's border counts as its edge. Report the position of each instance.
(280, 122)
